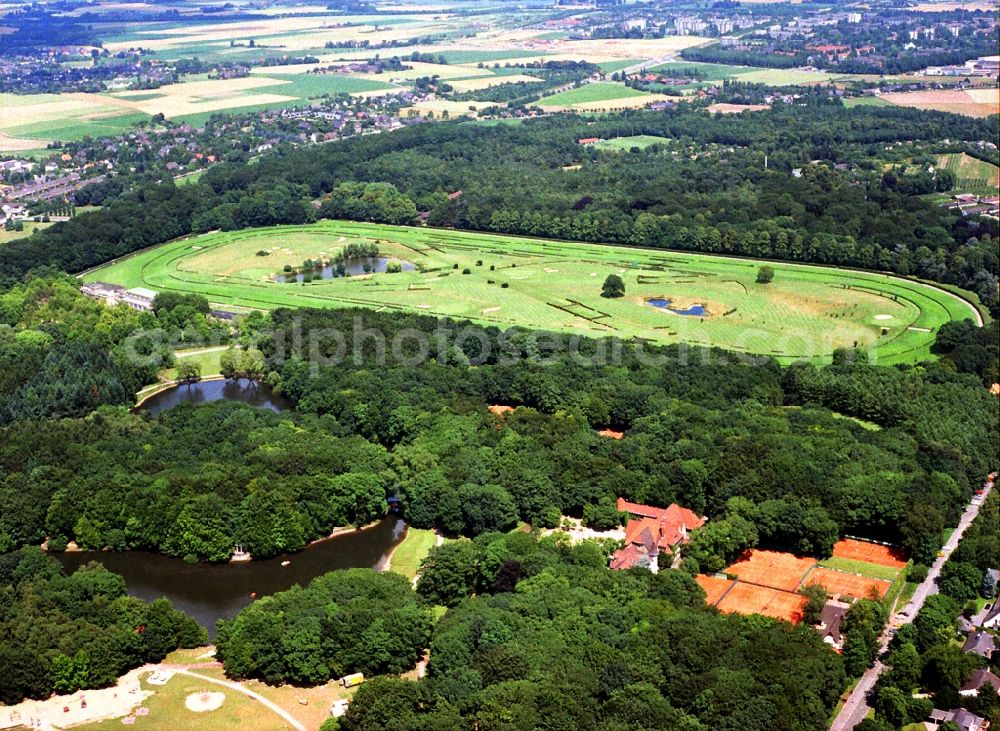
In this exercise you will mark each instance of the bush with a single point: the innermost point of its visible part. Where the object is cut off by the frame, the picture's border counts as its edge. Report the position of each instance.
(765, 275)
(479, 262)
(454, 266)
(466, 271)
(262, 252)
(505, 285)
(917, 573)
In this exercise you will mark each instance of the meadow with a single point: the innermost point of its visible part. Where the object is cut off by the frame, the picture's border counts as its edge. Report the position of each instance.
(804, 314)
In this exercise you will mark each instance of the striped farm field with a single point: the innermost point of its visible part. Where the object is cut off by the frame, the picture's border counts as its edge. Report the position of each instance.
(803, 314)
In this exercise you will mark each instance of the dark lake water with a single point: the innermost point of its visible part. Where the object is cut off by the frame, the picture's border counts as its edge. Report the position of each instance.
(664, 304)
(209, 592)
(352, 267)
(206, 391)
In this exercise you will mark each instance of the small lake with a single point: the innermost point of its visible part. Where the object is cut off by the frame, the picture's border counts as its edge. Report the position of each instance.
(664, 304)
(209, 592)
(253, 394)
(353, 267)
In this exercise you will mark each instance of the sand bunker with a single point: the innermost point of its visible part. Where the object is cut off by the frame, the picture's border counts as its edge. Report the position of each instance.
(202, 702)
(488, 310)
(883, 317)
(423, 307)
(551, 271)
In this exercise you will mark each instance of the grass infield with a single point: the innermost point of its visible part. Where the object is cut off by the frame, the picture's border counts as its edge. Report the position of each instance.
(804, 314)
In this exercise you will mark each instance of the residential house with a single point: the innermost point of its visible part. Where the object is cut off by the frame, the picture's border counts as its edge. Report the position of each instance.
(981, 679)
(992, 619)
(980, 643)
(831, 620)
(962, 718)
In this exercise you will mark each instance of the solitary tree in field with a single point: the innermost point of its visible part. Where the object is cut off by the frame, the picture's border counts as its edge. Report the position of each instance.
(765, 275)
(613, 286)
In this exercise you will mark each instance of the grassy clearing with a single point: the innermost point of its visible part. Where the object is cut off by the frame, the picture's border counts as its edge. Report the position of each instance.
(625, 144)
(871, 570)
(209, 362)
(610, 67)
(705, 71)
(866, 101)
(805, 313)
(29, 228)
(973, 176)
(406, 557)
(167, 710)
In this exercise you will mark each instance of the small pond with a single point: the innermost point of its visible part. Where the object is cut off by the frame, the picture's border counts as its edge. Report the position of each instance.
(253, 394)
(664, 304)
(352, 267)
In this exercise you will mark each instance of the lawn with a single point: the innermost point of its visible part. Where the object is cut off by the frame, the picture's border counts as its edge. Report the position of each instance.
(973, 176)
(599, 92)
(625, 144)
(208, 359)
(166, 710)
(864, 568)
(805, 313)
(29, 228)
(413, 549)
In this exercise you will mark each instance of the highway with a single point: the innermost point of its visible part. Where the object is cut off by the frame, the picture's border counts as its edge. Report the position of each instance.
(856, 707)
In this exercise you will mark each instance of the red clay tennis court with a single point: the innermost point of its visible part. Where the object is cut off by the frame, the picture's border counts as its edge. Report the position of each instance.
(869, 552)
(751, 599)
(771, 568)
(714, 587)
(839, 582)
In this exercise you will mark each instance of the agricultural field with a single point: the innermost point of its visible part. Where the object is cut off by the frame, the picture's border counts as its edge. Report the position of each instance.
(600, 97)
(28, 121)
(971, 102)
(973, 176)
(805, 313)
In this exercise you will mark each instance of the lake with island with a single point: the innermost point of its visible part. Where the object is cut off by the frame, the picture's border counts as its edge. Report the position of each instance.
(353, 267)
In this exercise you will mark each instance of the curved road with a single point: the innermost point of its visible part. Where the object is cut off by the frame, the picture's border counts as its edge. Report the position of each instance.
(856, 707)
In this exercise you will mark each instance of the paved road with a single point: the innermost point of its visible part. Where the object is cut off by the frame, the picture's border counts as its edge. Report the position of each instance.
(650, 63)
(856, 707)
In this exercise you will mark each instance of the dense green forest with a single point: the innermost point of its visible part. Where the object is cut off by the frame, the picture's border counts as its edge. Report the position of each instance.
(355, 621)
(710, 191)
(732, 440)
(61, 633)
(541, 635)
